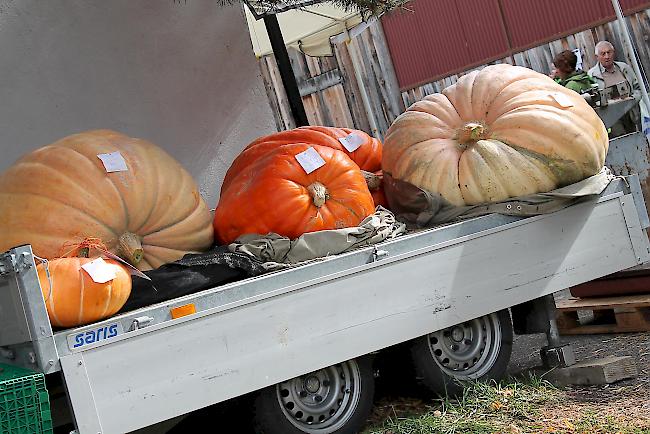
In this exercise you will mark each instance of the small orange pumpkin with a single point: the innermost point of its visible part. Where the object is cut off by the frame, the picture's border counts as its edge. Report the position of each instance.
(74, 298)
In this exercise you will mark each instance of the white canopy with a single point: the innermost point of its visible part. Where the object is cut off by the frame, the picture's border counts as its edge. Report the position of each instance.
(308, 28)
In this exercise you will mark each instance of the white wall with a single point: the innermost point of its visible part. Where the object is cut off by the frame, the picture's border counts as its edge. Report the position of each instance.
(180, 73)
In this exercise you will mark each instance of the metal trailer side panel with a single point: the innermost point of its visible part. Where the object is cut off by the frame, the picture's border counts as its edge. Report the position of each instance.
(154, 374)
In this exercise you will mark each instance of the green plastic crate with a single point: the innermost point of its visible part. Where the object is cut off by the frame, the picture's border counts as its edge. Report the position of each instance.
(24, 402)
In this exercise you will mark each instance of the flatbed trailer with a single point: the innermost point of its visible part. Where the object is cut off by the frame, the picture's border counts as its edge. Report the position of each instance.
(143, 367)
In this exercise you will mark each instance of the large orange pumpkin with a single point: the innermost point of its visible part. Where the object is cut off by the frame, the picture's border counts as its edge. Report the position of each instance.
(501, 132)
(273, 193)
(367, 156)
(74, 298)
(150, 214)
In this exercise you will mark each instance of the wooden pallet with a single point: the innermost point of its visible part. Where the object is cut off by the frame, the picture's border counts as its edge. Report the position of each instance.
(629, 313)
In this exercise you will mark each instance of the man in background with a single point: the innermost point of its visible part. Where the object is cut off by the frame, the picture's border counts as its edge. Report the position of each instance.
(608, 72)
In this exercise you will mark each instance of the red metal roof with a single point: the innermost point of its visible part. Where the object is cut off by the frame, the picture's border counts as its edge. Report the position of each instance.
(441, 37)
(533, 21)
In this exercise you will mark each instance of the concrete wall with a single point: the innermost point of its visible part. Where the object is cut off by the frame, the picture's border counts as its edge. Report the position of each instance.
(180, 73)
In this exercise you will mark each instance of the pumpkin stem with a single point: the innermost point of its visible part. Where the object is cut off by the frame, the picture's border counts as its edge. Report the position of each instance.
(373, 180)
(319, 193)
(130, 248)
(472, 132)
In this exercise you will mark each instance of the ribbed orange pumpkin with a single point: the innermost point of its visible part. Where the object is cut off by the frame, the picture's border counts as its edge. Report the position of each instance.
(501, 132)
(367, 156)
(150, 215)
(273, 193)
(74, 298)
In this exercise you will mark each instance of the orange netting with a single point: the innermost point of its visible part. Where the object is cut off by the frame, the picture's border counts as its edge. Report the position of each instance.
(71, 249)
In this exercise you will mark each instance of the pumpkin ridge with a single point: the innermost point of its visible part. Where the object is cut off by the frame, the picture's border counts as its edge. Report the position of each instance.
(57, 321)
(434, 103)
(82, 279)
(114, 232)
(553, 110)
(404, 149)
(155, 200)
(496, 175)
(433, 100)
(107, 303)
(170, 208)
(340, 203)
(124, 207)
(198, 205)
(127, 217)
(58, 173)
(496, 92)
(554, 165)
(67, 205)
(569, 133)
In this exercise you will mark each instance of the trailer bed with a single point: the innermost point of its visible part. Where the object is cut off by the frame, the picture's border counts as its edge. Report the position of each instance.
(257, 332)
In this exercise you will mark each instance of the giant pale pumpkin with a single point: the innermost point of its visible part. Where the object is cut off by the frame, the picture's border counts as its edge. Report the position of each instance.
(367, 155)
(502, 132)
(73, 298)
(150, 214)
(273, 193)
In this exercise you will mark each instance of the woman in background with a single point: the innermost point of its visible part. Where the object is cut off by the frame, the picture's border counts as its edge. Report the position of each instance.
(566, 74)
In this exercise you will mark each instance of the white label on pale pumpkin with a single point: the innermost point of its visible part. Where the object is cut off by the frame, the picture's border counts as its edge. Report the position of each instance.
(113, 162)
(563, 100)
(352, 141)
(310, 160)
(100, 271)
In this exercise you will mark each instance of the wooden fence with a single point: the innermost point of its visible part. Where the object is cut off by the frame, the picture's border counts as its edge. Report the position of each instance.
(332, 96)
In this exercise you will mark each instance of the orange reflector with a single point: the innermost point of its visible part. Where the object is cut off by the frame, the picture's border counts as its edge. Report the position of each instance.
(179, 311)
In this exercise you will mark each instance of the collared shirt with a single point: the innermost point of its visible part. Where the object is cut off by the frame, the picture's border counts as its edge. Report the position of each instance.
(611, 78)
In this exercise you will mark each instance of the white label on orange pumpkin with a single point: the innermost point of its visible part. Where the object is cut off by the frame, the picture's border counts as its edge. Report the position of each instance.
(100, 271)
(113, 162)
(352, 141)
(310, 160)
(562, 100)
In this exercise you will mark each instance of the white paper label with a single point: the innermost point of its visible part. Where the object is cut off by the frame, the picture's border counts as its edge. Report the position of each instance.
(113, 162)
(352, 142)
(100, 271)
(310, 160)
(562, 100)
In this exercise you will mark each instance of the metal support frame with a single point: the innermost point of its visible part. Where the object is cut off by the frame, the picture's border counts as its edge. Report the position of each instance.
(555, 354)
(286, 72)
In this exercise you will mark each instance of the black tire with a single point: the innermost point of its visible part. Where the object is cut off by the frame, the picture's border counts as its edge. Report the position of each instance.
(474, 350)
(338, 399)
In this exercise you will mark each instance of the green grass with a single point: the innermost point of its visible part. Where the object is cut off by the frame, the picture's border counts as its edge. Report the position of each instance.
(531, 405)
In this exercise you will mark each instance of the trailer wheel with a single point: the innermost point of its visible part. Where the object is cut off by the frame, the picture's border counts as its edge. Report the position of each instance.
(474, 350)
(337, 399)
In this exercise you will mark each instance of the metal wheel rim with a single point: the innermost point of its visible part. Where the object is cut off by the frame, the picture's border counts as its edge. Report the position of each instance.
(323, 401)
(467, 351)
